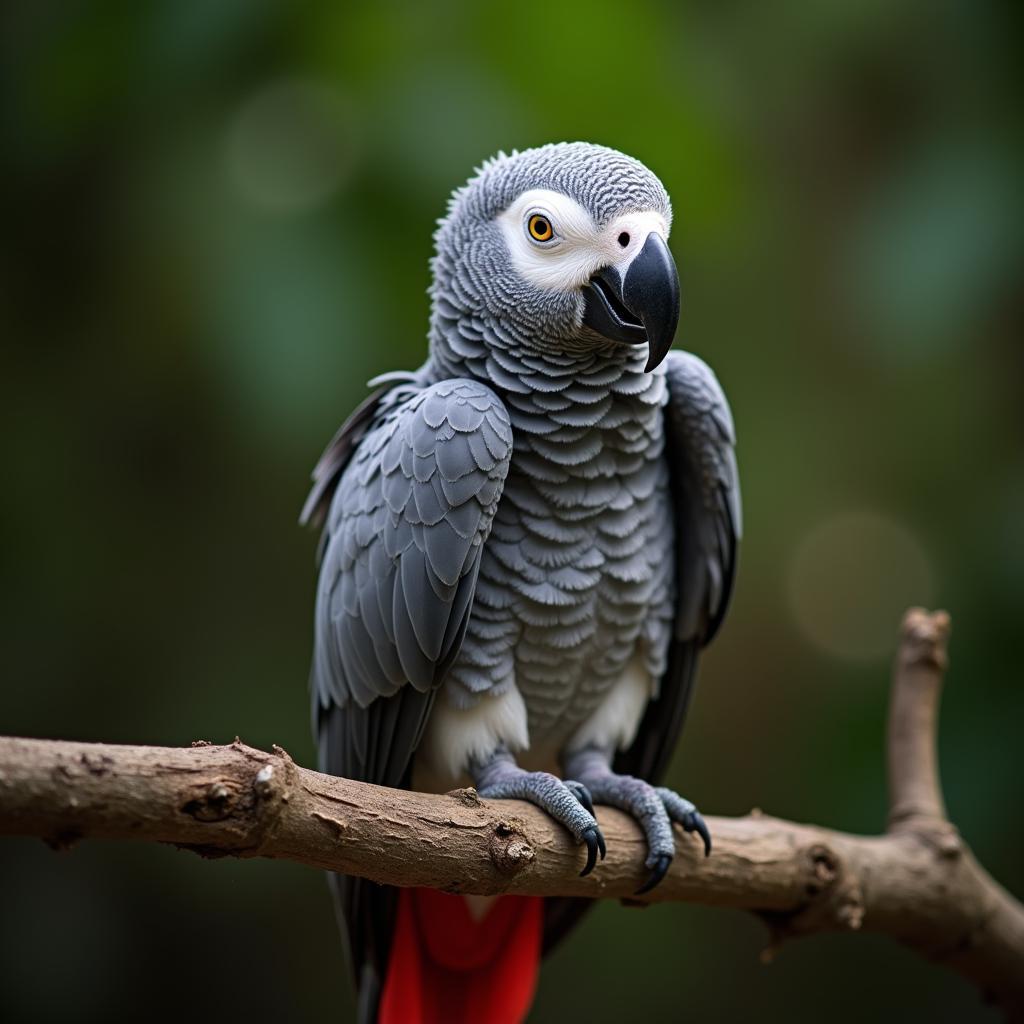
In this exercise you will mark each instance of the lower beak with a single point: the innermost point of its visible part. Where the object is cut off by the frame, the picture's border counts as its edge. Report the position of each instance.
(639, 303)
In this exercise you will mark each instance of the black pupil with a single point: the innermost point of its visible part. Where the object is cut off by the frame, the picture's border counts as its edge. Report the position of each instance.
(540, 226)
(624, 239)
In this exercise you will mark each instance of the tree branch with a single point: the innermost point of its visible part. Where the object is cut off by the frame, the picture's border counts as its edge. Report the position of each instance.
(917, 883)
(915, 794)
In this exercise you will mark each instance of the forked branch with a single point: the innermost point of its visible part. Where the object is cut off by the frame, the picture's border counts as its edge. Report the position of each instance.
(918, 883)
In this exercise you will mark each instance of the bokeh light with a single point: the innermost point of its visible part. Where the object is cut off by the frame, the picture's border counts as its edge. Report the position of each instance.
(851, 578)
(291, 145)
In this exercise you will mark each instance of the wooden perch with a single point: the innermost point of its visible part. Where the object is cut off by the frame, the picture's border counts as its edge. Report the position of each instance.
(918, 882)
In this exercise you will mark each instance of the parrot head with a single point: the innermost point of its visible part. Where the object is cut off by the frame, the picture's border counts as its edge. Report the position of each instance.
(561, 248)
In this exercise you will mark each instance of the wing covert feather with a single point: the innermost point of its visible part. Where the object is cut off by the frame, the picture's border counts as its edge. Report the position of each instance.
(404, 534)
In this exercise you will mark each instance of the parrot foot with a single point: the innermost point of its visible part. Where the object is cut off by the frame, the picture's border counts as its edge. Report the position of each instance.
(569, 803)
(654, 808)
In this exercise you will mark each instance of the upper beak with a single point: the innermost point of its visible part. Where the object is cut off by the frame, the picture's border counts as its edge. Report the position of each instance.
(637, 303)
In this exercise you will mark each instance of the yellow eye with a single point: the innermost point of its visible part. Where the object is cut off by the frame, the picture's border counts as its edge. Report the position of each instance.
(540, 228)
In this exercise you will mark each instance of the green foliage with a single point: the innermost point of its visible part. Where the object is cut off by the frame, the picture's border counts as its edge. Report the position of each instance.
(217, 226)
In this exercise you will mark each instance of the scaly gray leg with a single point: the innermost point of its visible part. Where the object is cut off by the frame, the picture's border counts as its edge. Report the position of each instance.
(655, 808)
(569, 803)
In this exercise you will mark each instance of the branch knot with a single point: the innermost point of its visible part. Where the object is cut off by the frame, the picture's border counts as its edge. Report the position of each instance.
(510, 850)
(925, 639)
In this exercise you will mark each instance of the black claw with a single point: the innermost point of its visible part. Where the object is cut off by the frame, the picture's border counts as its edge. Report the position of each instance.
(695, 823)
(600, 844)
(594, 840)
(583, 795)
(657, 874)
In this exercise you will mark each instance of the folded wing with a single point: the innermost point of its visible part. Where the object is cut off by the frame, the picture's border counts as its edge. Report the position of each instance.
(417, 476)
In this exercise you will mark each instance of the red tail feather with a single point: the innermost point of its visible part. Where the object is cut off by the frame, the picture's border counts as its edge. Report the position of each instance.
(447, 968)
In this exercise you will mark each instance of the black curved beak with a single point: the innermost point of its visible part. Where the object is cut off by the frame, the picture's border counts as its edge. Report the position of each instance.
(641, 307)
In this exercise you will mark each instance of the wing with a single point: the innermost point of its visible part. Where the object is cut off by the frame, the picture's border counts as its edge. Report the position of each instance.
(418, 477)
(700, 442)
(337, 454)
(700, 447)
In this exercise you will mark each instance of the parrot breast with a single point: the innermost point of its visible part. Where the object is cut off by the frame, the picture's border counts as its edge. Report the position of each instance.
(576, 576)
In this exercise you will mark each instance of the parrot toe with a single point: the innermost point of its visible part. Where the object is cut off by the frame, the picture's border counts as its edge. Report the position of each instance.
(655, 809)
(581, 793)
(569, 803)
(660, 869)
(684, 813)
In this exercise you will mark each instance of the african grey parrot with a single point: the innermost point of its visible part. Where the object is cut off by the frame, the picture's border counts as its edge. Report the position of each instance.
(526, 542)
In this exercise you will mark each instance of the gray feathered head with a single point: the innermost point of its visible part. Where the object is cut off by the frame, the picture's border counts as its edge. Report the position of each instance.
(558, 248)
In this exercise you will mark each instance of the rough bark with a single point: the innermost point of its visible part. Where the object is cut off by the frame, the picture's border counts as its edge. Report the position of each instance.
(918, 882)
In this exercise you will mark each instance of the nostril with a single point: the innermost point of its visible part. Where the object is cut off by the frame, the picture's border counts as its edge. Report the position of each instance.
(624, 239)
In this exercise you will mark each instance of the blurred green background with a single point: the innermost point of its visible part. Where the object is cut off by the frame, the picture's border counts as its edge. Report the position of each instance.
(217, 221)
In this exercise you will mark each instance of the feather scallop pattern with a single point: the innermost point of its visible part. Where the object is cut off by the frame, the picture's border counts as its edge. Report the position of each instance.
(577, 575)
(404, 538)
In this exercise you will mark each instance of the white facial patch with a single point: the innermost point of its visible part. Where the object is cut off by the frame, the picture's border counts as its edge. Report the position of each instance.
(578, 247)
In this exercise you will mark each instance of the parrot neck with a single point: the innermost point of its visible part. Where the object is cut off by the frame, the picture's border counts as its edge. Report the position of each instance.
(581, 401)
(501, 355)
